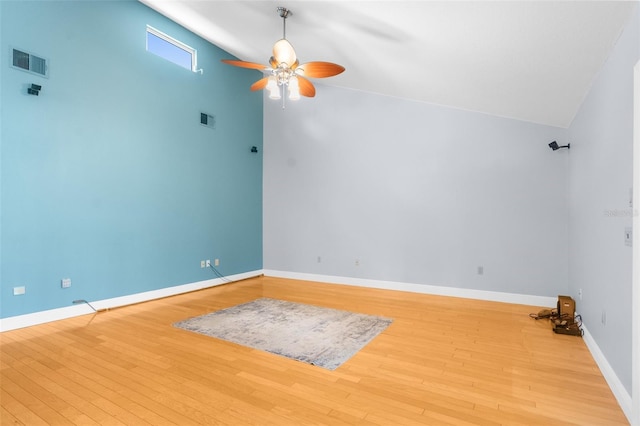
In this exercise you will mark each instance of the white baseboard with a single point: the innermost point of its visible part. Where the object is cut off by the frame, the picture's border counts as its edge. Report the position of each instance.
(616, 386)
(520, 299)
(21, 321)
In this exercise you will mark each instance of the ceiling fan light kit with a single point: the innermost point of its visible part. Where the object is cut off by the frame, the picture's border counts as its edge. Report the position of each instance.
(285, 71)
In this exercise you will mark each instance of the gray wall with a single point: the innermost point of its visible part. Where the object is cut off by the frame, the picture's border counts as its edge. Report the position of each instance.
(601, 172)
(414, 193)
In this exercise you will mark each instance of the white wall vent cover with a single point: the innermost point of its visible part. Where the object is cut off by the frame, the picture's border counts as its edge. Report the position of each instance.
(29, 62)
(208, 120)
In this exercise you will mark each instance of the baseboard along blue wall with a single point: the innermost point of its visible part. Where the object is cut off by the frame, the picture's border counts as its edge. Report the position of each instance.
(108, 178)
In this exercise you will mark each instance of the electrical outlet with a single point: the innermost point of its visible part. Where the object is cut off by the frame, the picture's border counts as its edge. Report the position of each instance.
(18, 291)
(65, 283)
(208, 263)
(216, 262)
(202, 263)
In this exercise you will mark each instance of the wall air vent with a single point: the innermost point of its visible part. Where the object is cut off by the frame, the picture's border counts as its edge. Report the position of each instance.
(29, 62)
(208, 120)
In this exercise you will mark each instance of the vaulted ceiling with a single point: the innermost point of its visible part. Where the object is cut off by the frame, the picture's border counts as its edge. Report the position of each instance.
(528, 60)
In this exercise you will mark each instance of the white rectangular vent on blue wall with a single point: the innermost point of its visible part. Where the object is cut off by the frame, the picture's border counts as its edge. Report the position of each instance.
(29, 62)
(208, 120)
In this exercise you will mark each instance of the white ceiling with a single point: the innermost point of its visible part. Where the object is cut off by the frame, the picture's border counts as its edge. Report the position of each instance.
(528, 60)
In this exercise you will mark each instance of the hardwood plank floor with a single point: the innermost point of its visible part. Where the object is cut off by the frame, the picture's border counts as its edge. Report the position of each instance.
(443, 361)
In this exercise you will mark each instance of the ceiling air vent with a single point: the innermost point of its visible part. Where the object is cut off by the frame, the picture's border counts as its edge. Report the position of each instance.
(29, 62)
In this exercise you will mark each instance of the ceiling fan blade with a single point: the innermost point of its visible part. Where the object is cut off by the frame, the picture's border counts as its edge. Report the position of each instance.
(320, 69)
(283, 52)
(244, 64)
(306, 87)
(260, 84)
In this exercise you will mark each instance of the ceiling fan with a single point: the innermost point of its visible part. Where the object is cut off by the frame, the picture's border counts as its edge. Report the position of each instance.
(285, 70)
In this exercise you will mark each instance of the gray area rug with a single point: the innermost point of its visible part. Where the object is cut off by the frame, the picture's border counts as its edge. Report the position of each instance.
(312, 334)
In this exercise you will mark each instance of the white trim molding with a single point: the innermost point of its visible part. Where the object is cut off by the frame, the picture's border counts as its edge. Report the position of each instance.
(495, 296)
(27, 320)
(616, 386)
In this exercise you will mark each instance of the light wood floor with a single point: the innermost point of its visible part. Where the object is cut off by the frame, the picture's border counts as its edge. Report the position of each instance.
(442, 361)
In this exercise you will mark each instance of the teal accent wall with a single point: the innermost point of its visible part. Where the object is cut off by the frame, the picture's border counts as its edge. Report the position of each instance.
(108, 177)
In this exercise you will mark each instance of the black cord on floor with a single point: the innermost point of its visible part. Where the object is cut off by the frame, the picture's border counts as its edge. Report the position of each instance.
(75, 302)
(222, 277)
(215, 271)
